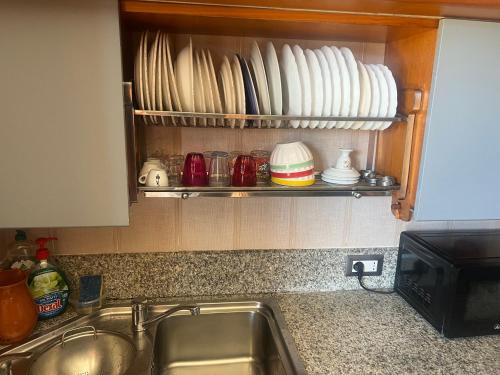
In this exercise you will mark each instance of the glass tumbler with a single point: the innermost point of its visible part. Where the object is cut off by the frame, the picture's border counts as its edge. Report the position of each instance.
(174, 169)
(195, 171)
(208, 156)
(263, 167)
(245, 171)
(218, 174)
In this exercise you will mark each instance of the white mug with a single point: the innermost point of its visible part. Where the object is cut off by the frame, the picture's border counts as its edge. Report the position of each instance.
(146, 167)
(157, 178)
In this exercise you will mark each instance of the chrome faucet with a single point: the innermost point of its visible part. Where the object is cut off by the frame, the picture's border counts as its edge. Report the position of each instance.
(140, 312)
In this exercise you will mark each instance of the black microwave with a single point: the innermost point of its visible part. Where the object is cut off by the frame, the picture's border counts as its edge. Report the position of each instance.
(452, 278)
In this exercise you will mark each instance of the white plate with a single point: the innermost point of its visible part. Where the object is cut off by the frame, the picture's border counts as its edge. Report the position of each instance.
(335, 84)
(327, 86)
(316, 86)
(199, 90)
(384, 95)
(184, 76)
(341, 174)
(152, 60)
(239, 88)
(274, 82)
(138, 75)
(215, 86)
(227, 87)
(354, 81)
(305, 84)
(290, 84)
(174, 92)
(375, 98)
(207, 86)
(145, 75)
(159, 80)
(365, 95)
(345, 86)
(260, 80)
(393, 95)
(339, 182)
(165, 81)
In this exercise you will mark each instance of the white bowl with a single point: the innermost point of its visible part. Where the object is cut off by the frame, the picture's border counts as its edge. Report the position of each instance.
(290, 153)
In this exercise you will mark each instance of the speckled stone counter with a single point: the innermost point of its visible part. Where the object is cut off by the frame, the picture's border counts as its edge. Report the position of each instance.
(356, 332)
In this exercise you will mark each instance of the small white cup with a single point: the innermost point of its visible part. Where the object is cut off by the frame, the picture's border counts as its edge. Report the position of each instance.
(146, 167)
(157, 178)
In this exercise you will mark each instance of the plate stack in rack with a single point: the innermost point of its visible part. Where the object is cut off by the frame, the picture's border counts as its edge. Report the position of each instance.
(319, 83)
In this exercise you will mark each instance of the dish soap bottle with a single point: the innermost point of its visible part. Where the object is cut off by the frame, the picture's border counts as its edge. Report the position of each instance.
(20, 253)
(47, 284)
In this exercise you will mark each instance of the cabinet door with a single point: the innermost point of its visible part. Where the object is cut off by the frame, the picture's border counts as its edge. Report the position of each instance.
(62, 137)
(459, 177)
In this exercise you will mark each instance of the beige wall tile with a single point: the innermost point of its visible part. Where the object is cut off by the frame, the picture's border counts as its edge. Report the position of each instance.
(85, 240)
(265, 223)
(207, 224)
(371, 223)
(319, 223)
(153, 227)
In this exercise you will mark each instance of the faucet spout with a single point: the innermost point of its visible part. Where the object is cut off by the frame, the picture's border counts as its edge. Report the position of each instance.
(140, 314)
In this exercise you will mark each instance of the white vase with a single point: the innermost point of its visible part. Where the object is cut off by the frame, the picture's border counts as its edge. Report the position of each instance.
(344, 160)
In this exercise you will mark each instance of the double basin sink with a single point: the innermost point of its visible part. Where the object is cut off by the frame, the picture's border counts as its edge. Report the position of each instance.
(237, 338)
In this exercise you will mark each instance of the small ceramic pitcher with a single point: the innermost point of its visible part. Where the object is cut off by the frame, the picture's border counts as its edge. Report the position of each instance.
(344, 160)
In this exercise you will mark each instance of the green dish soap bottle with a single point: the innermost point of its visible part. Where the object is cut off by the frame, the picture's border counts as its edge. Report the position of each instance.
(47, 284)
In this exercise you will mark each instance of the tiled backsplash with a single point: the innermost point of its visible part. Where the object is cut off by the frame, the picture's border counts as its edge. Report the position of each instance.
(203, 224)
(224, 272)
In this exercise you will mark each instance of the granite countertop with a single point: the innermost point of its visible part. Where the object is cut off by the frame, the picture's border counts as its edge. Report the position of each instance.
(356, 332)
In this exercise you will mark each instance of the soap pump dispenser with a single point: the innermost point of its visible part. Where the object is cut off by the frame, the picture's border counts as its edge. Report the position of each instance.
(47, 284)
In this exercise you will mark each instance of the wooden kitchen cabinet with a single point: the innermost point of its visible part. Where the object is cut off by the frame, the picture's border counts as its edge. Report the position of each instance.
(461, 147)
(405, 43)
(62, 137)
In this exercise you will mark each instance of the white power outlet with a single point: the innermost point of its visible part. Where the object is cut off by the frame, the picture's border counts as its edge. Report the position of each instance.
(369, 265)
(373, 264)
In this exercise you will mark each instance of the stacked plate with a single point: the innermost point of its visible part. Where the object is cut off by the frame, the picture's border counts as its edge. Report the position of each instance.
(340, 176)
(292, 164)
(325, 82)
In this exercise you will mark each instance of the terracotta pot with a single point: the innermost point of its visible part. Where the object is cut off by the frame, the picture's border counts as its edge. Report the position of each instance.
(18, 315)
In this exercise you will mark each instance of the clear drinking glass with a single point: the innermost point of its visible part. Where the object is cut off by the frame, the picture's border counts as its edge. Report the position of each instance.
(263, 167)
(208, 156)
(218, 174)
(175, 165)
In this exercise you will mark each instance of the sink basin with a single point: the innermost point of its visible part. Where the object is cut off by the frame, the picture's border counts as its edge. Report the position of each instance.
(224, 339)
(89, 352)
(231, 337)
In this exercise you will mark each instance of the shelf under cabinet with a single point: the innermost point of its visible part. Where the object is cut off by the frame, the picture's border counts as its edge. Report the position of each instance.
(319, 189)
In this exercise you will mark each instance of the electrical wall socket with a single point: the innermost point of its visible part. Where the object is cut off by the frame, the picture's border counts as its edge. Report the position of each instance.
(372, 264)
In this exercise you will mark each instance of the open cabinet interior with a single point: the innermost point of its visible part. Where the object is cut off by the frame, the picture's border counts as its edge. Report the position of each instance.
(405, 44)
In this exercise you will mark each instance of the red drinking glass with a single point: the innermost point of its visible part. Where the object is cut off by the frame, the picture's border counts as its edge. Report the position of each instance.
(245, 171)
(195, 170)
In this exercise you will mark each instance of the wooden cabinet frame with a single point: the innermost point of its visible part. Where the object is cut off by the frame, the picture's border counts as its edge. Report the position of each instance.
(410, 44)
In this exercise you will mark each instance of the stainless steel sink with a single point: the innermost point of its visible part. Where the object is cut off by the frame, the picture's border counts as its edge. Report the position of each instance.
(231, 337)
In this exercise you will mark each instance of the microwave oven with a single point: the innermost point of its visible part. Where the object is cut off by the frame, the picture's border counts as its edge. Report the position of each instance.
(452, 278)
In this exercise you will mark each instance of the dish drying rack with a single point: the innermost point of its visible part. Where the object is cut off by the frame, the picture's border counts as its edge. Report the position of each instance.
(411, 100)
